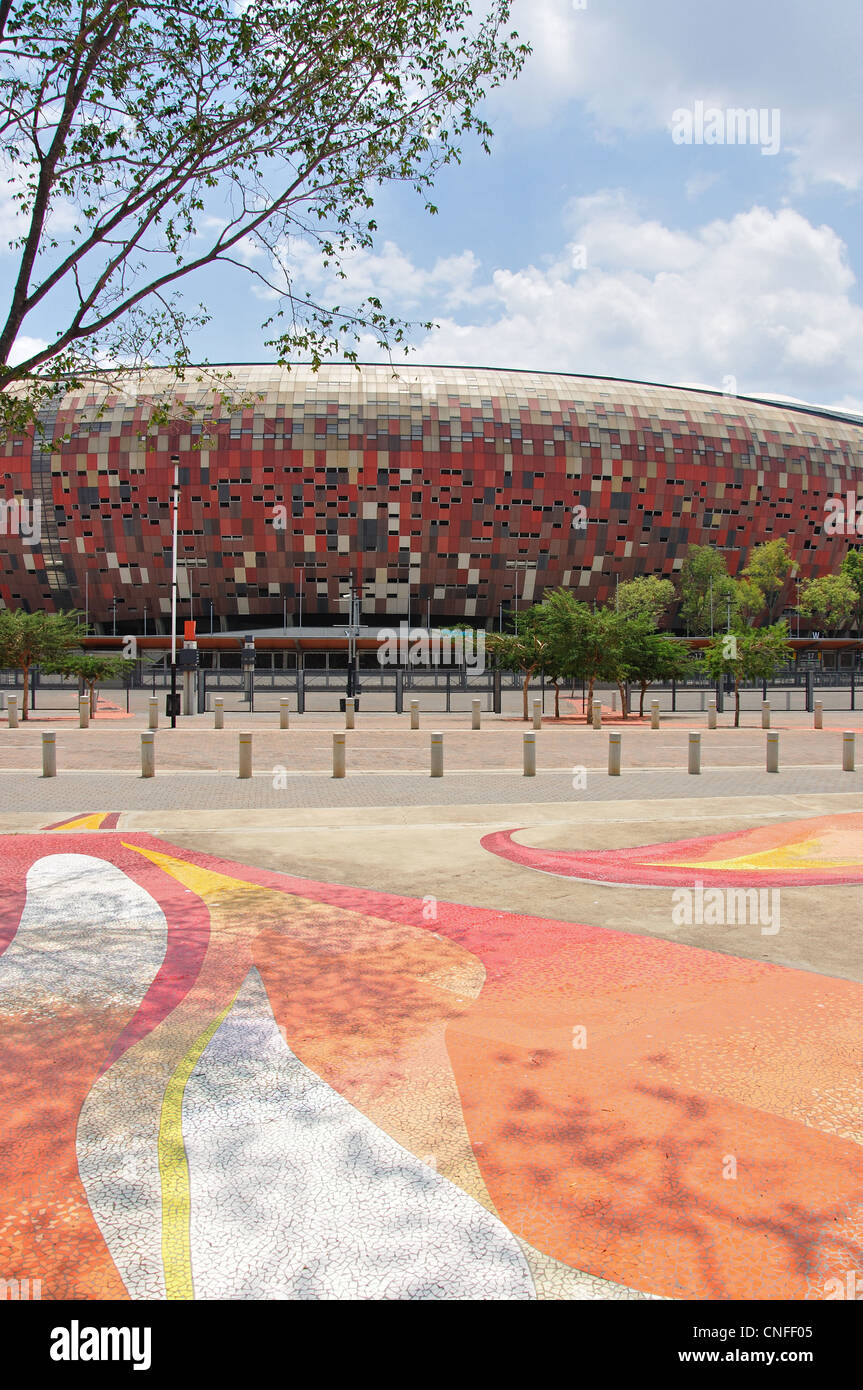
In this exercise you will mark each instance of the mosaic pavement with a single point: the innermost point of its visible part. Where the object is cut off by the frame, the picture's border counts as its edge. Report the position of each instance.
(225, 1082)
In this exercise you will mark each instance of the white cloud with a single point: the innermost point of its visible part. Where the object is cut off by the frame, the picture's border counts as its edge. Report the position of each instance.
(631, 64)
(389, 273)
(764, 297)
(24, 347)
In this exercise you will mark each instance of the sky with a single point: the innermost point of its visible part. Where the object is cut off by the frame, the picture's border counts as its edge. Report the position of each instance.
(594, 240)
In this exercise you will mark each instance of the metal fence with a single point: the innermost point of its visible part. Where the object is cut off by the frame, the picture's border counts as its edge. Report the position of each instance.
(382, 689)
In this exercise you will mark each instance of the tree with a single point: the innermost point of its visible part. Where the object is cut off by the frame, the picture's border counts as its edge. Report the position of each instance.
(522, 651)
(831, 600)
(145, 140)
(705, 589)
(647, 597)
(563, 624)
(35, 639)
(91, 668)
(749, 654)
(770, 567)
(650, 657)
(852, 566)
(747, 601)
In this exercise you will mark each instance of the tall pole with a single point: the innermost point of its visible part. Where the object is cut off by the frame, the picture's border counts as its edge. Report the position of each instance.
(87, 599)
(711, 605)
(175, 503)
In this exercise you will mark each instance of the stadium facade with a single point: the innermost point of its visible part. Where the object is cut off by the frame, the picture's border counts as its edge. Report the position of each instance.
(443, 492)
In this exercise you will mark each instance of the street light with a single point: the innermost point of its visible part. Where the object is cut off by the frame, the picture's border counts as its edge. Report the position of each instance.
(353, 597)
(175, 504)
(520, 565)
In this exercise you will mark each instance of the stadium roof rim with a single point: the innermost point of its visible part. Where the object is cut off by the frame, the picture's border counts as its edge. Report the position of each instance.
(777, 403)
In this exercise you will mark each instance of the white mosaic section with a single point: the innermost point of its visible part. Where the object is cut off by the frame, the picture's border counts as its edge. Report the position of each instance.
(296, 1194)
(88, 936)
(92, 938)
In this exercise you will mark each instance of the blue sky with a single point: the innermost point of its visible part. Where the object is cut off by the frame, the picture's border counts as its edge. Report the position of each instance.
(591, 242)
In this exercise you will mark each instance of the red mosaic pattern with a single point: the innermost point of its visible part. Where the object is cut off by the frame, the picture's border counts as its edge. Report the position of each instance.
(423, 486)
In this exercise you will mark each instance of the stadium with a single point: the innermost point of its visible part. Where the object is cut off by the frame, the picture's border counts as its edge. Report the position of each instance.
(443, 493)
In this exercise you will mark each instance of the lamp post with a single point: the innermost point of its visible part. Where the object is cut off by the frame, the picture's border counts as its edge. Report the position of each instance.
(352, 597)
(175, 503)
(520, 565)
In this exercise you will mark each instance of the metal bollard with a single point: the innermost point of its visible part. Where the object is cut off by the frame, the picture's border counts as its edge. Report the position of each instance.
(437, 755)
(614, 754)
(148, 755)
(415, 714)
(530, 755)
(765, 714)
(49, 755)
(654, 714)
(711, 713)
(848, 752)
(772, 752)
(695, 754)
(219, 712)
(819, 714)
(245, 755)
(338, 755)
(12, 711)
(475, 714)
(154, 713)
(84, 712)
(284, 713)
(537, 714)
(597, 714)
(350, 713)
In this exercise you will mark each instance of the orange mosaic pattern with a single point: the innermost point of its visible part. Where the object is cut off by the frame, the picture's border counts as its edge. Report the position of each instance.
(682, 1123)
(799, 853)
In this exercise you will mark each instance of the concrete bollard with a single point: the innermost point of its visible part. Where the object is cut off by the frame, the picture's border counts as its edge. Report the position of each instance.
(12, 711)
(415, 714)
(49, 755)
(148, 755)
(772, 752)
(654, 714)
(475, 714)
(711, 713)
(597, 714)
(437, 755)
(848, 752)
(614, 754)
(338, 755)
(765, 714)
(284, 714)
(695, 755)
(245, 755)
(530, 755)
(819, 714)
(84, 712)
(219, 712)
(154, 713)
(350, 713)
(537, 714)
